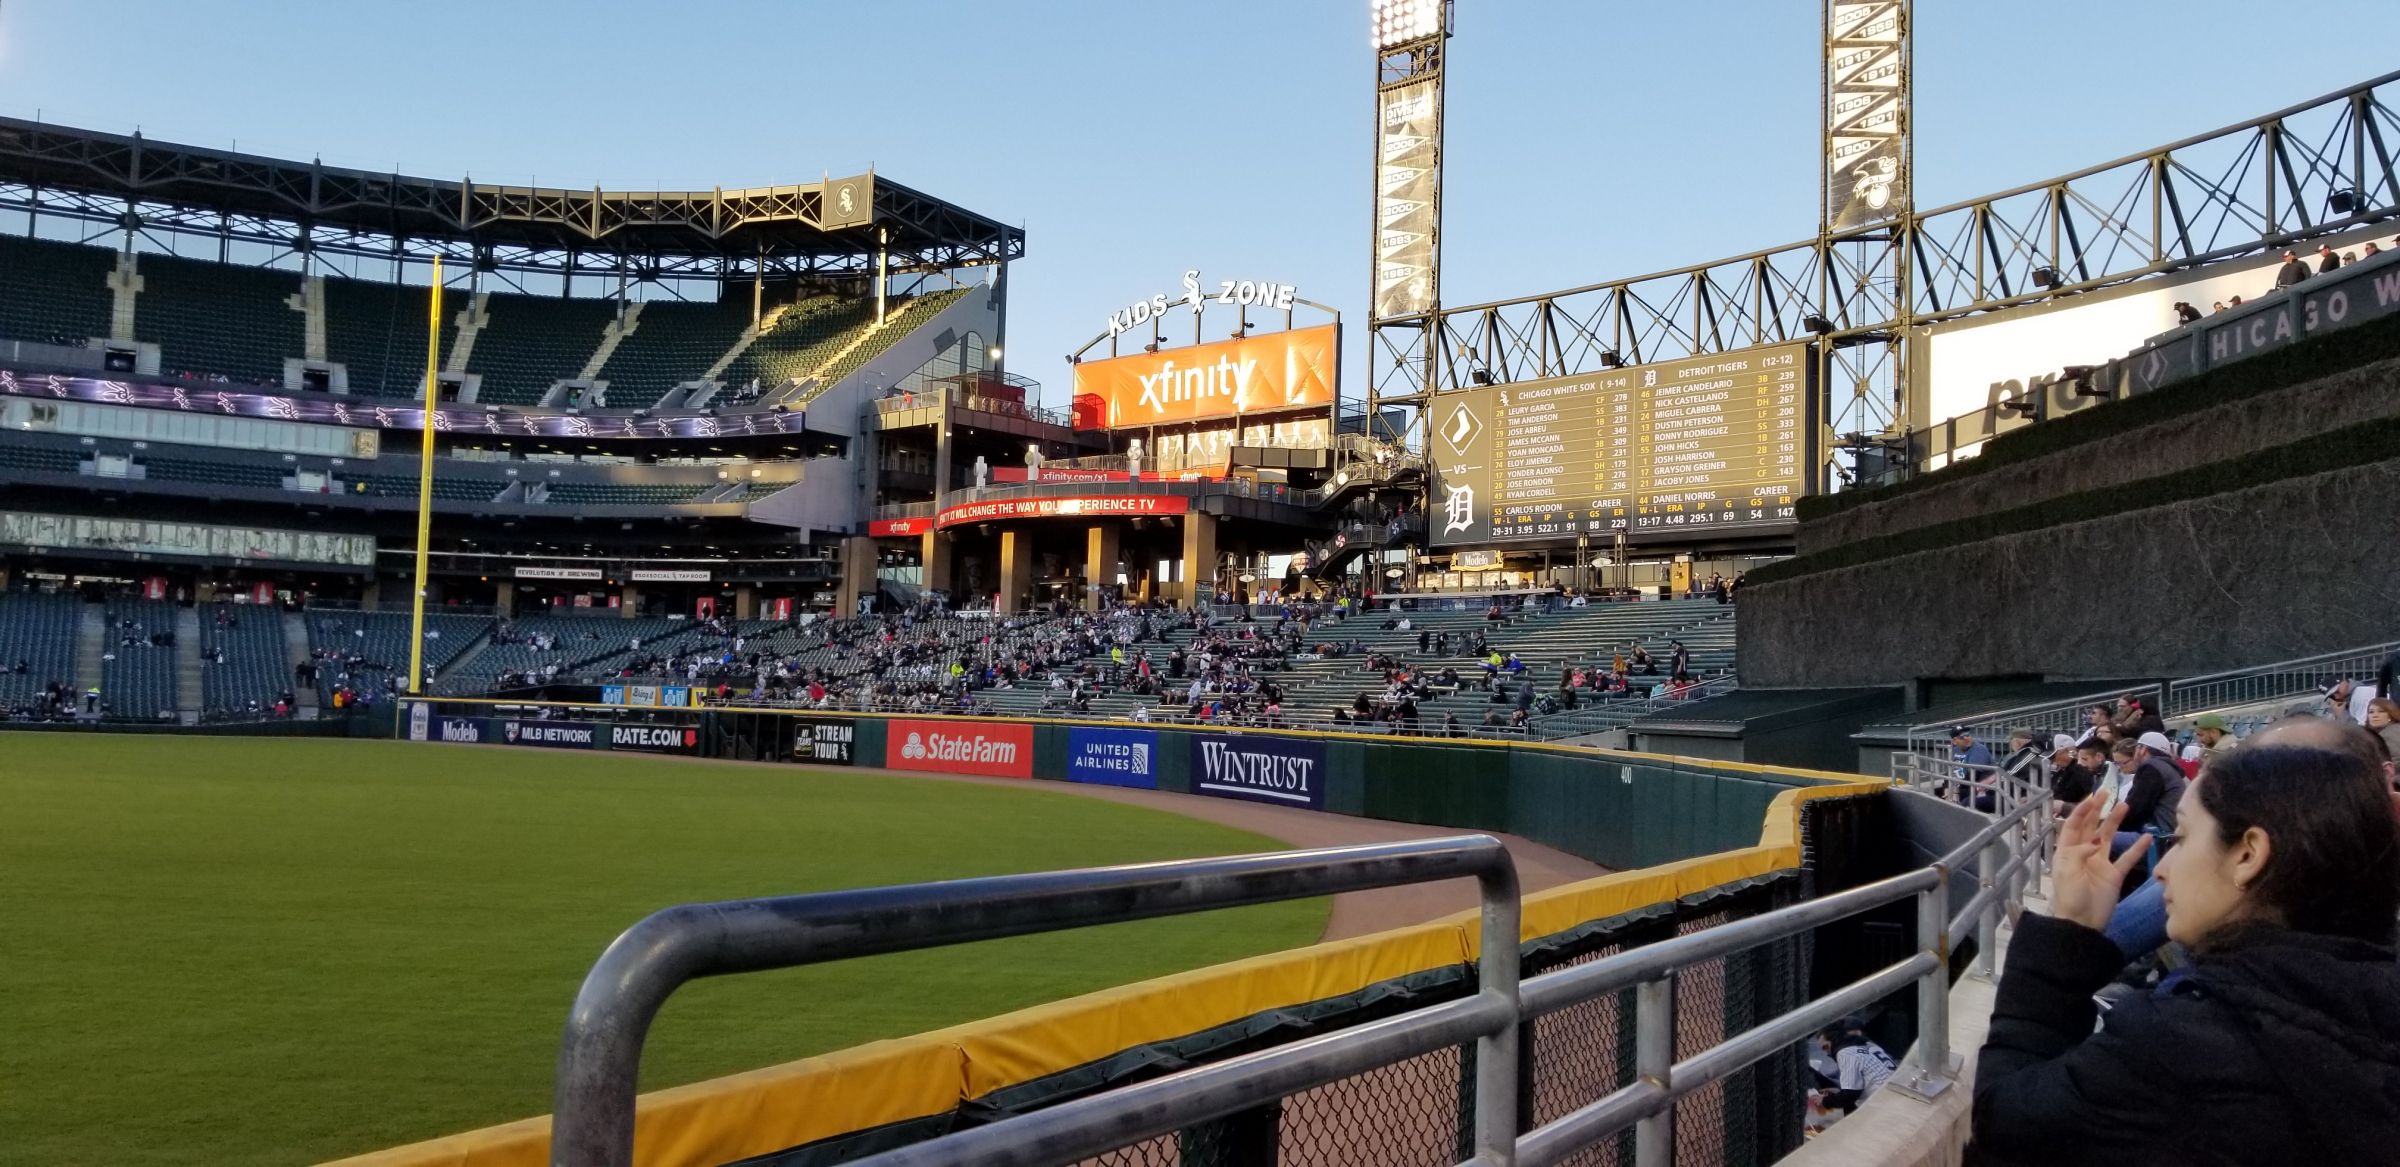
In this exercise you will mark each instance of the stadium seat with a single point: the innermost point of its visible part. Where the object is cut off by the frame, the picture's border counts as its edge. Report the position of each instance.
(367, 649)
(532, 342)
(54, 291)
(672, 342)
(38, 631)
(623, 493)
(219, 318)
(377, 332)
(137, 677)
(254, 668)
(802, 338)
(917, 312)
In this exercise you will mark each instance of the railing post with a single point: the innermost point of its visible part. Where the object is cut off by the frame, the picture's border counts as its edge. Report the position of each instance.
(1987, 923)
(1932, 1073)
(1653, 1062)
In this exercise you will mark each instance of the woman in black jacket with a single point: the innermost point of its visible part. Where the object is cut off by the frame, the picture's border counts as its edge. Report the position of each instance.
(2279, 1043)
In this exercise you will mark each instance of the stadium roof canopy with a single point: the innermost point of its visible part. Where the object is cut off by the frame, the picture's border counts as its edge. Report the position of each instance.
(120, 182)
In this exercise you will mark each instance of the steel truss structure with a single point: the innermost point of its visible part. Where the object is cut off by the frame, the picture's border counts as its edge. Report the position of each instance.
(2315, 168)
(115, 183)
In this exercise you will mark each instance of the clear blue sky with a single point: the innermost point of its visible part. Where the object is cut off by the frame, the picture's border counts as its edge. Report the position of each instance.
(1588, 140)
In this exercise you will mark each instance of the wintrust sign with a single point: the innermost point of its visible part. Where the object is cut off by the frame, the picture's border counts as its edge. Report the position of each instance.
(995, 749)
(1285, 771)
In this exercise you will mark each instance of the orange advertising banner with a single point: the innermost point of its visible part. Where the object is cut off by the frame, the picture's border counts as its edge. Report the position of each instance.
(1256, 374)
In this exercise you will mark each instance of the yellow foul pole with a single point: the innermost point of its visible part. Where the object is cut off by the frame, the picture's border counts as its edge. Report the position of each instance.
(433, 398)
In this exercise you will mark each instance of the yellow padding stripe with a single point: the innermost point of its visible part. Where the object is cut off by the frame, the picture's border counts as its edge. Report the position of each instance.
(737, 1116)
(1032, 1043)
(725, 1119)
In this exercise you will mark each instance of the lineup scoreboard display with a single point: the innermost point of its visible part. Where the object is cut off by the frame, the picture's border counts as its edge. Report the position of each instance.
(1692, 448)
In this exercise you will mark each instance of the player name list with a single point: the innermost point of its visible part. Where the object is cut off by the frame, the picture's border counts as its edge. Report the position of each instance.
(1710, 442)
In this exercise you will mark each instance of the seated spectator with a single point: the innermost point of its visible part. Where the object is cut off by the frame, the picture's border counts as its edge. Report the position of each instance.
(2214, 740)
(2281, 1033)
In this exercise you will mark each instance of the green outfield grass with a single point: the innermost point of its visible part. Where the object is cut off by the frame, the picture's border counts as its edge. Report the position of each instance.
(219, 950)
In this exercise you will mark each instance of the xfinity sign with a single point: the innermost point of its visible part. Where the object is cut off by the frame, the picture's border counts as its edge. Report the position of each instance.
(1284, 771)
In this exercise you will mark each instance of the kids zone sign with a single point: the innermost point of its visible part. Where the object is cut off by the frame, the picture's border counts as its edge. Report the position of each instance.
(994, 749)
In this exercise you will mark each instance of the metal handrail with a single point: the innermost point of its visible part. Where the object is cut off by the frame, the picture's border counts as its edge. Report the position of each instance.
(1647, 1104)
(599, 1055)
(600, 1052)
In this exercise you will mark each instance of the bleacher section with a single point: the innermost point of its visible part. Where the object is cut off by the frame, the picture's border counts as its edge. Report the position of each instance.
(671, 343)
(578, 641)
(253, 668)
(377, 331)
(532, 341)
(446, 489)
(37, 631)
(219, 318)
(802, 339)
(218, 473)
(1547, 642)
(50, 461)
(621, 493)
(379, 642)
(51, 291)
(917, 312)
(137, 677)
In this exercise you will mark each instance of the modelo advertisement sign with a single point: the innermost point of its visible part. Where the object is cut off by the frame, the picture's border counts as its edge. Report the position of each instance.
(424, 726)
(657, 739)
(830, 743)
(1112, 757)
(994, 749)
(1283, 771)
(572, 734)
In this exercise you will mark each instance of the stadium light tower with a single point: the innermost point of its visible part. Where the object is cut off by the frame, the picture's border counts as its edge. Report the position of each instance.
(1405, 289)
(1868, 206)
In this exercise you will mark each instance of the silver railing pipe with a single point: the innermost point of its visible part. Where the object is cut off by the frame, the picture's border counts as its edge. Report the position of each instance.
(599, 1056)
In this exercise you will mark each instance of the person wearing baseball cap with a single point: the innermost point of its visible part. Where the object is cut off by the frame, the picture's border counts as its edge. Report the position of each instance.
(1972, 762)
(2293, 271)
(2214, 738)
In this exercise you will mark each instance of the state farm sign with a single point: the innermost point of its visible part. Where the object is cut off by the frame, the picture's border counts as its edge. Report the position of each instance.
(960, 747)
(1097, 506)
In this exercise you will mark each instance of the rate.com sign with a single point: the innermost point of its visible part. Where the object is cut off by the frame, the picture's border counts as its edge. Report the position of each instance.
(995, 749)
(662, 739)
(1284, 771)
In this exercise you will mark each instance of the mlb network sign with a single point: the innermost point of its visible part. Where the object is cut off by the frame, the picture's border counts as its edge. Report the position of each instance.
(577, 734)
(996, 750)
(1112, 757)
(1285, 771)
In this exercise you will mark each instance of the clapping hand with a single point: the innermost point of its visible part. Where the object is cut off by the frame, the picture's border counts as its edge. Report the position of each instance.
(2084, 881)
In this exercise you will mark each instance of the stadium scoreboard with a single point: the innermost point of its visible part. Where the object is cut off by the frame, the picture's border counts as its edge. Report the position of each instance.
(1681, 449)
